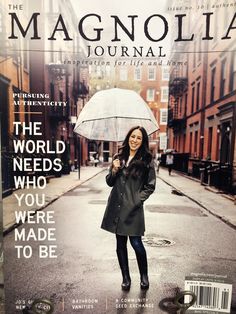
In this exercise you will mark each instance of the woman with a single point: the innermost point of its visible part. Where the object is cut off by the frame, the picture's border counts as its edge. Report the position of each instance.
(132, 176)
(169, 162)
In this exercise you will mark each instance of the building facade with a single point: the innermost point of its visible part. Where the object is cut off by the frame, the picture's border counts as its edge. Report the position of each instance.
(150, 81)
(56, 90)
(202, 100)
(14, 79)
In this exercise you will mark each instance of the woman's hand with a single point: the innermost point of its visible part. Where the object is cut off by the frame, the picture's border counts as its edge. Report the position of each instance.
(115, 165)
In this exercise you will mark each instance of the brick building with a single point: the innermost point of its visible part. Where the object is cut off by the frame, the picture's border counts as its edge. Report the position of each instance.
(60, 79)
(37, 67)
(203, 98)
(14, 78)
(151, 82)
(154, 81)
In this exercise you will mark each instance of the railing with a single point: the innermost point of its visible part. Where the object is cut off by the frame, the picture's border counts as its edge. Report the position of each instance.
(213, 174)
(174, 120)
(178, 85)
(208, 172)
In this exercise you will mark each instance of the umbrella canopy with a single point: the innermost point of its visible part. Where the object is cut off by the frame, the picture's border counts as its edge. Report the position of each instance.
(110, 114)
(170, 150)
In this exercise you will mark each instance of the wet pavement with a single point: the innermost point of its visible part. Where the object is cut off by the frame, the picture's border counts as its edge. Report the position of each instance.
(181, 237)
(221, 205)
(55, 188)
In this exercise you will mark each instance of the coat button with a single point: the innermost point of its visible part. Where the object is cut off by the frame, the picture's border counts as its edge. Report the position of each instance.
(116, 220)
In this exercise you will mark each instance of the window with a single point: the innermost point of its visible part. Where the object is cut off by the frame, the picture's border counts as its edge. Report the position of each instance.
(15, 51)
(164, 94)
(151, 74)
(137, 74)
(26, 55)
(27, 115)
(195, 143)
(185, 104)
(163, 116)
(150, 94)
(222, 78)
(209, 148)
(16, 108)
(180, 105)
(198, 96)
(162, 141)
(165, 73)
(123, 74)
(108, 70)
(98, 71)
(193, 98)
(213, 74)
(190, 142)
(218, 144)
(184, 141)
(232, 85)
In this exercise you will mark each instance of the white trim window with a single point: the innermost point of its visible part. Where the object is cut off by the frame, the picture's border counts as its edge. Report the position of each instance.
(137, 74)
(150, 94)
(108, 70)
(162, 141)
(99, 71)
(165, 70)
(163, 116)
(26, 55)
(123, 74)
(151, 73)
(164, 93)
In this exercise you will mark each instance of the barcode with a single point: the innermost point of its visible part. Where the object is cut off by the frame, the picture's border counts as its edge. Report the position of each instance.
(224, 299)
(210, 297)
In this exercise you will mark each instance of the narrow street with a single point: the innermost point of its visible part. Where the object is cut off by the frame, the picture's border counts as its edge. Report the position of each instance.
(181, 238)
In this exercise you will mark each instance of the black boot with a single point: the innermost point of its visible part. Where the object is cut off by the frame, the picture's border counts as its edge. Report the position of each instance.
(144, 283)
(124, 266)
(143, 270)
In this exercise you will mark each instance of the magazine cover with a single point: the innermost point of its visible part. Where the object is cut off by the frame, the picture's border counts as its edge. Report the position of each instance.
(118, 156)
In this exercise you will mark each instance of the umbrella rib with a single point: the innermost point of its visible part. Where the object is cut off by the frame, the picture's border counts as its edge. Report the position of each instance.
(115, 117)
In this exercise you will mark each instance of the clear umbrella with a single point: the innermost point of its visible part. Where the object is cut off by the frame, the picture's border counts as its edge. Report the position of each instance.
(110, 113)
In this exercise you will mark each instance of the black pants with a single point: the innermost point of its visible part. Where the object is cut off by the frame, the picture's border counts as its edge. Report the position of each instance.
(137, 244)
(170, 169)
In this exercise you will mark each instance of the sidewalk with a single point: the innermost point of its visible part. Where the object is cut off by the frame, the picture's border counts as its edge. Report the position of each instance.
(54, 189)
(216, 204)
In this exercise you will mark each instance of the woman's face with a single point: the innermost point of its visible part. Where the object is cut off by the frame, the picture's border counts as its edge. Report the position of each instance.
(135, 140)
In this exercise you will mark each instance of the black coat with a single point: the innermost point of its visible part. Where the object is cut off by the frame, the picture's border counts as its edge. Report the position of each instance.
(124, 212)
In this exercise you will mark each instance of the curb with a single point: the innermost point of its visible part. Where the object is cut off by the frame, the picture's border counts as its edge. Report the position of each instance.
(16, 225)
(224, 219)
(207, 187)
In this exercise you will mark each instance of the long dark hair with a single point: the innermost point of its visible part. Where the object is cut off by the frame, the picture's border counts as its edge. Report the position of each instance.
(142, 159)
